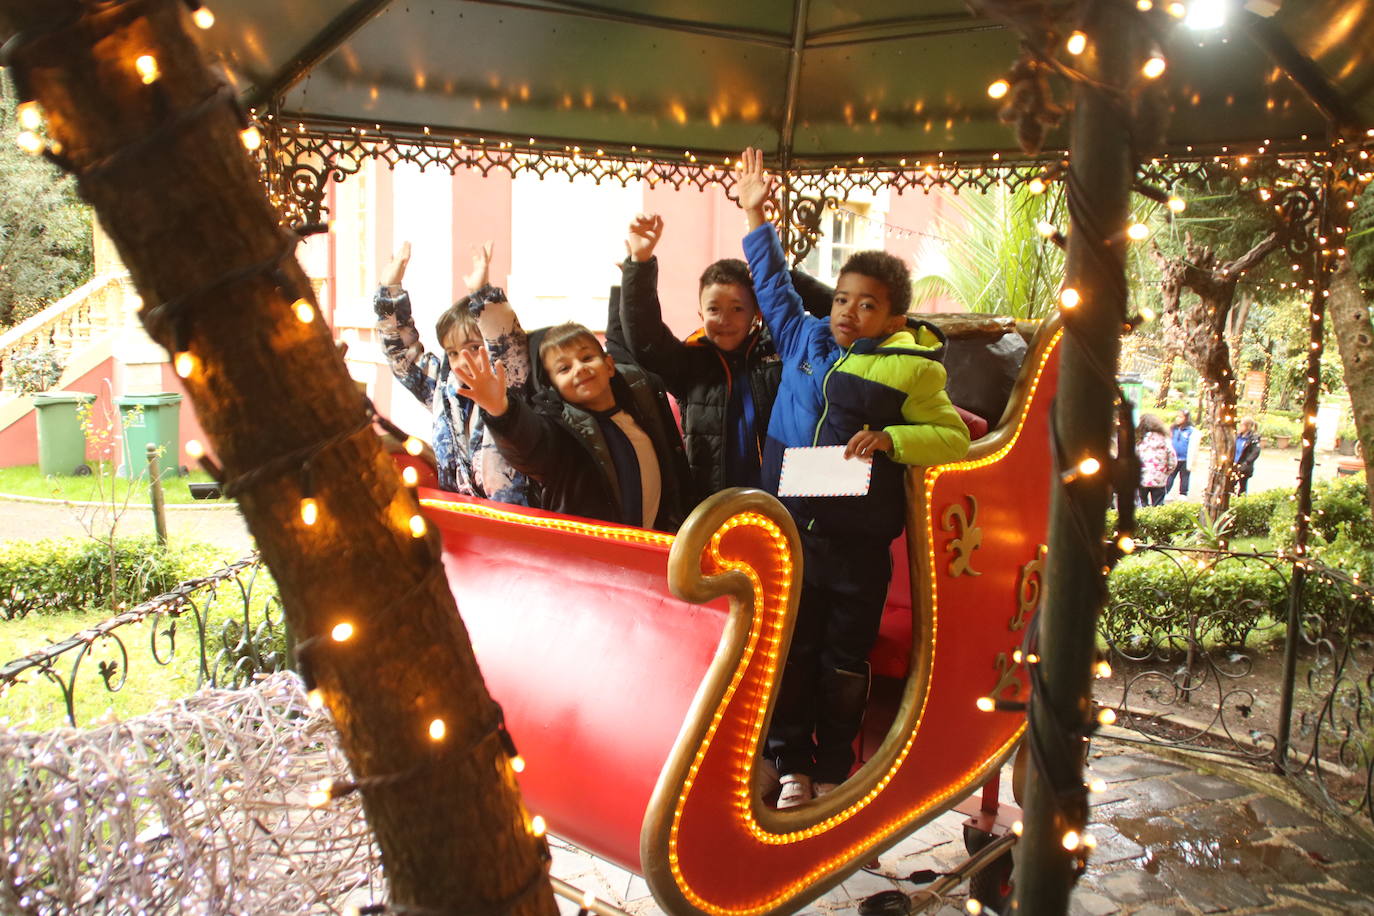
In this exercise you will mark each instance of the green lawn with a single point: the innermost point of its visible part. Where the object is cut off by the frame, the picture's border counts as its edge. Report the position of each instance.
(26, 480)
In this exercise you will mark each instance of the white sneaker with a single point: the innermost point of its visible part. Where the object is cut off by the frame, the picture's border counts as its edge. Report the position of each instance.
(796, 790)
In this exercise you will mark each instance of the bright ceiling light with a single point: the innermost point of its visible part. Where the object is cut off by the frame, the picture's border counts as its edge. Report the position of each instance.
(1206, 14)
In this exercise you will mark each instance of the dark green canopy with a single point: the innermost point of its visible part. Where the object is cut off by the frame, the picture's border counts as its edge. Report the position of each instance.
(814, 83)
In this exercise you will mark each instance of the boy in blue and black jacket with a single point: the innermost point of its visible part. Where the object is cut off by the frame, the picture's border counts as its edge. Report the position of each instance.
(869, 379)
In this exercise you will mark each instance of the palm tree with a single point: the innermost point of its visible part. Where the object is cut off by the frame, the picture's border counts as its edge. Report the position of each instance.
(991, 256)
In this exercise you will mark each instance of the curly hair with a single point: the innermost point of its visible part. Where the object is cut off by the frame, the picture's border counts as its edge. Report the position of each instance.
(888, 270)
(727, 270)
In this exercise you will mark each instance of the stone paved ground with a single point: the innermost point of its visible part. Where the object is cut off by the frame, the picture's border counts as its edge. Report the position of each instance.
(1171, 839)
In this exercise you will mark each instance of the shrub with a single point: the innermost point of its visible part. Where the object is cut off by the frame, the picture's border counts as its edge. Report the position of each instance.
(1166, 524)
(1336, 502)
(1252, 513)
(1272, 426)
(33, 370)
(74, 575)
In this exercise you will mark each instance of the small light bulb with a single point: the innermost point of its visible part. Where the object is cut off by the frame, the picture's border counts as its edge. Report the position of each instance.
(322, 794)
(251, 137)
(1098, 785)
(1046, 228)
(1126, 543)
(973, 906)
(1017, 827)
(1036, 185)
(537, 825)
(304, 311)
(1032, 659)
(310, 511)
(517, 763)
(146, 65)
(1103, 669)
(1137, 231)
(1177, 10)
(409, 476)
(29, 142)
(1147, 314)
(203, 18)
(437, 730)
(1089, 841)
(588, 900)
(1089, 466)
(414, 446)
(1154, 68)
(1106, 716)
(1071, 840)
(315, 699)
(30, 118)
(1069, 297)
(1077, 43)
(998, 89)
(1177, 205)
(342, 632)
(417, 526)
(986, 704)
(1017, 657)
(184, 363)
(1144, 5)
(194, 449)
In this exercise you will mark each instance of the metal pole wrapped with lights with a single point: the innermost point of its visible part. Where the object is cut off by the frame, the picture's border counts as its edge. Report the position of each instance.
(117, 93)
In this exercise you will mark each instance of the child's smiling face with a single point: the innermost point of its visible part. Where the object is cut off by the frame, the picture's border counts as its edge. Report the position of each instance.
(727, 314)
(581, 374)
(862, 307)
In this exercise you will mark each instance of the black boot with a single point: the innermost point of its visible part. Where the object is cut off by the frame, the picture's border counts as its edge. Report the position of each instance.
(789, 742)
(840, 705)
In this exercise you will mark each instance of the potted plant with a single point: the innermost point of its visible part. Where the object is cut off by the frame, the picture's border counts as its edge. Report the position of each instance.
(33, 370)
(1346, 439)
(1278, 430)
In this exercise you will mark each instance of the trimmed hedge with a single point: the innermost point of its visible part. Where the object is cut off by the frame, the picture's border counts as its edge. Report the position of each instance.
(74, 574)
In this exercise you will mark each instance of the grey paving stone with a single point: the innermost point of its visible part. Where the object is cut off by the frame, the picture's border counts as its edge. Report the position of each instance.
(1090, 903)
(1274, 812)
(1335, 899)
(1213, 890)
(1357, 877)
(1212, 788)
(1290, 909)
(1155, 909)
(1327, 846)
(1149, 832)
(1133, 886)
(1112, 846)
(1158, 793)
(1278, 863)
(1226, 822)
(1117, 767)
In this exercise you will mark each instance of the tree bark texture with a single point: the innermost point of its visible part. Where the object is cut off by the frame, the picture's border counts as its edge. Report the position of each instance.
(1354, 333)
(187, 214)
(1200, 331)
(1166, 380)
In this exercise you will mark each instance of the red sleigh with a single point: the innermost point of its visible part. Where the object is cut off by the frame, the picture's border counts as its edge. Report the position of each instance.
(637, 669)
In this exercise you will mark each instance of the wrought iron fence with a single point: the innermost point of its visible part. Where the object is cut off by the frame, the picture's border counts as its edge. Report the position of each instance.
(1203, 658)
(238, 632)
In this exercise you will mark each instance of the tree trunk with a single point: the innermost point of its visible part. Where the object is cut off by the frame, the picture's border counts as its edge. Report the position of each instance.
(1200, 332)
(164, 167)
(1354, 335)
(1165, 381)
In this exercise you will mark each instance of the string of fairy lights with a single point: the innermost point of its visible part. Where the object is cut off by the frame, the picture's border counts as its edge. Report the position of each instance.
(174, 316)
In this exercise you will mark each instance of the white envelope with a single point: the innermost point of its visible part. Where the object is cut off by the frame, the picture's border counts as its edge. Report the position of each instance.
(823, 470)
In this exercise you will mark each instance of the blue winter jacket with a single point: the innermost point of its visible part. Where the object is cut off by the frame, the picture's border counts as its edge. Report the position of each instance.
(828, 393)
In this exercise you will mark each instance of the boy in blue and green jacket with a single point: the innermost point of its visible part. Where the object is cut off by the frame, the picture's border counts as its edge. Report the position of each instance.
(869, 379)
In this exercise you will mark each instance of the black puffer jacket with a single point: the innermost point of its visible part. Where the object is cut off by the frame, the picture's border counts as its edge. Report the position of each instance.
(696, 372)
(563, 449)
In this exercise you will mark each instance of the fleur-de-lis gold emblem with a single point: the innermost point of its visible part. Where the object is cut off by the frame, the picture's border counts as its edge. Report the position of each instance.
(1028, 589)
(969, 536)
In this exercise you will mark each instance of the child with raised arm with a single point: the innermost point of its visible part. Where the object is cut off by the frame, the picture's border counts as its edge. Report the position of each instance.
(597, 436)
(869, 379)
(468, 460)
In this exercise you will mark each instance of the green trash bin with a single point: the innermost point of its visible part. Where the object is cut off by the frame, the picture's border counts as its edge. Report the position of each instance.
(150, 419)
(1134, 389)
(61, 440)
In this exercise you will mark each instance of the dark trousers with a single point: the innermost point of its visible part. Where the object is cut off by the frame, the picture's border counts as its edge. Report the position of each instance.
(824, 688)
(1183, 475)
(1152, 496)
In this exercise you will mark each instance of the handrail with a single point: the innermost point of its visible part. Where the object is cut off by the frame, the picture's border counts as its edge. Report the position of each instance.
(104, 293)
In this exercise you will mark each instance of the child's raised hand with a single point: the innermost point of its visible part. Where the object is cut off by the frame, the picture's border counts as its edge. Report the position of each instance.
(645, 231)
(476, 278)
(752, 183)
(482, 383)
(864, 443)
(395, 271)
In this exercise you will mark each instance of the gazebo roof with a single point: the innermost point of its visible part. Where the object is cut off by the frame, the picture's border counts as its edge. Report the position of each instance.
(872, 78)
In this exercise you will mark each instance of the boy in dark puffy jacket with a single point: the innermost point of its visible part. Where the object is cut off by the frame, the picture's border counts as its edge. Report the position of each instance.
(869, 379)
(598, 437)
(724, 376)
